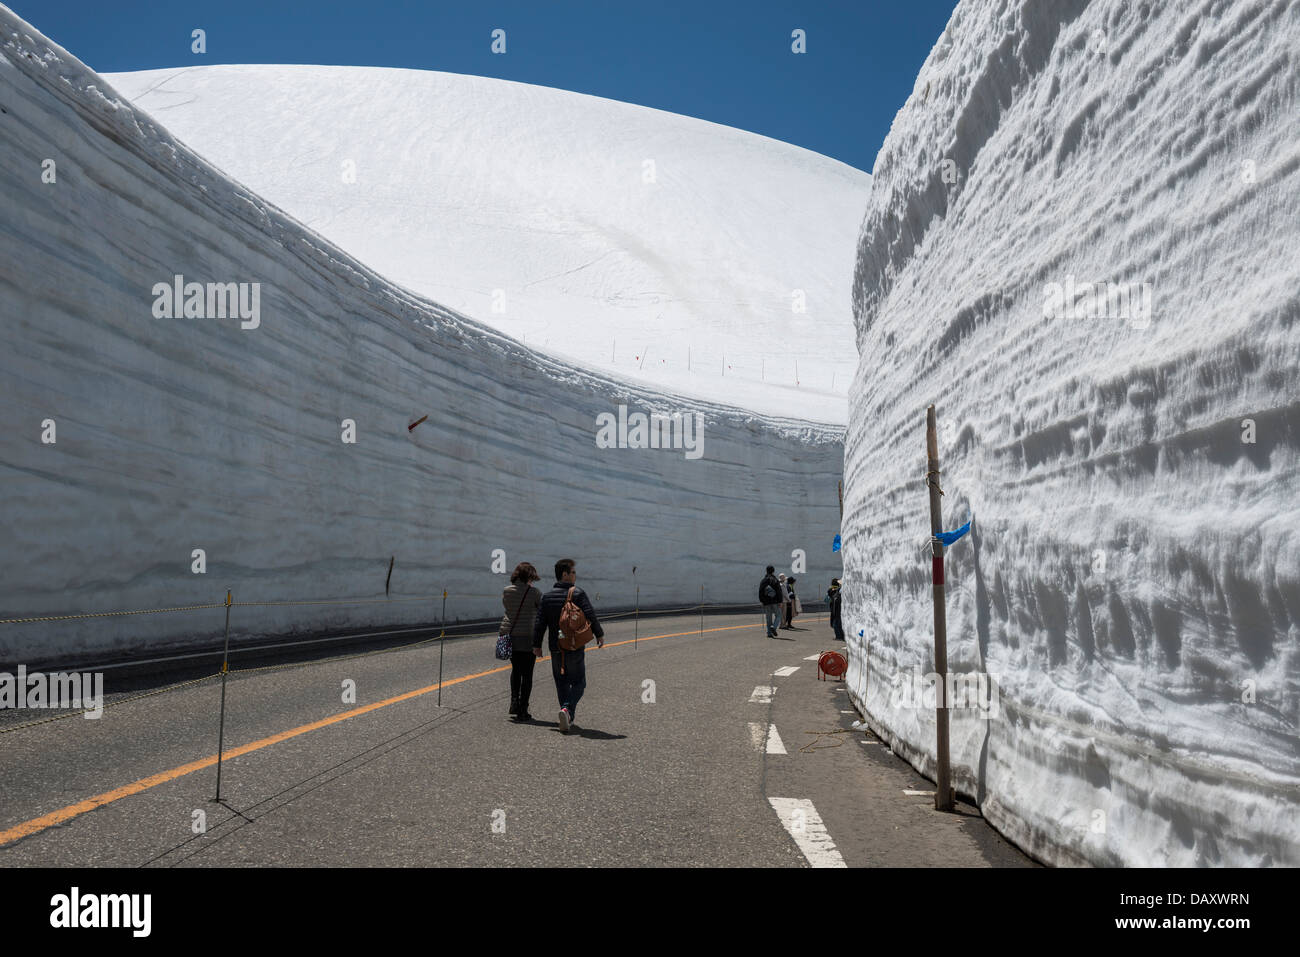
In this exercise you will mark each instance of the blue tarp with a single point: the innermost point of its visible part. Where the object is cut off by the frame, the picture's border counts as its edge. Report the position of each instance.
(949, 537)
(835, 545)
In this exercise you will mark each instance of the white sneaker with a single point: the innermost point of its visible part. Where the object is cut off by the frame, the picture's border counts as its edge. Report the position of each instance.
(564, 720)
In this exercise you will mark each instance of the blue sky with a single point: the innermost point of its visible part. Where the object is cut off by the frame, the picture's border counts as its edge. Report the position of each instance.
(725, 61)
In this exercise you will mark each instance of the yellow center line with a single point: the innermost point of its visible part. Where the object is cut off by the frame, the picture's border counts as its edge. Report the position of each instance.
(38, 824)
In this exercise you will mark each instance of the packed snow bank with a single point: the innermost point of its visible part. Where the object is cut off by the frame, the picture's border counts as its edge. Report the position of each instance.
(1133, 577)
(686, 255)
(228, 434)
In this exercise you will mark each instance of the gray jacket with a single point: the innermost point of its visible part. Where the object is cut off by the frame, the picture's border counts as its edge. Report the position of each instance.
(520, 614)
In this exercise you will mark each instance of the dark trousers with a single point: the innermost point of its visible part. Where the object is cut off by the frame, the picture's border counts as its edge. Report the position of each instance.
(789, 613)
(570, 685)
(521, 677)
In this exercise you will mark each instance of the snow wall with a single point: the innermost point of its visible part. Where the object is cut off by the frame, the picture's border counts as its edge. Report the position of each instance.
(1132, 581)
(173, 434)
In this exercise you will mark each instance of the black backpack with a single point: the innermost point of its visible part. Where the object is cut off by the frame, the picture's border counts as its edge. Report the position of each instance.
(769, 593)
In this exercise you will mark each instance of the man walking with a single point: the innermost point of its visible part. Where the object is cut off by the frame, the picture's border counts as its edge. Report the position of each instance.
(769, 596)
(833, 600)
(569, 668)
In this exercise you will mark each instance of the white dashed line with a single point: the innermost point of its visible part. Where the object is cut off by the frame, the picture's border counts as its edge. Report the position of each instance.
(804, 824)
(766, 739)
(910, 793)
(762, 695)
(786, 671)
(774, 745)
(812, 657)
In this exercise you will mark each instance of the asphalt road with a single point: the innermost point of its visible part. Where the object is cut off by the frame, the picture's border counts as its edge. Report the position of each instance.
(674, 763)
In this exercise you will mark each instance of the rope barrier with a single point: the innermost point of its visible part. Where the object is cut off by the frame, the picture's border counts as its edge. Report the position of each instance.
(330, 601)
(107, 614)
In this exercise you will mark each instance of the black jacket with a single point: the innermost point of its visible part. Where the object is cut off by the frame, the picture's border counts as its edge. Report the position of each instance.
(775, 584)
(548, 615)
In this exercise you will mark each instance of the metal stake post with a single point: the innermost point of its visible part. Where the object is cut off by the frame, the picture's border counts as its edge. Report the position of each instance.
(442, 638)
(225, 669)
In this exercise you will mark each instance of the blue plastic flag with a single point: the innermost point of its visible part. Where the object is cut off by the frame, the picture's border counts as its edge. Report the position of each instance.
(835, 545)
(949, 537)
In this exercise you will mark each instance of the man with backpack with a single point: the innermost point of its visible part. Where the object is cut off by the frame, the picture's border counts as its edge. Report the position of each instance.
(769, 596)
(569, 621)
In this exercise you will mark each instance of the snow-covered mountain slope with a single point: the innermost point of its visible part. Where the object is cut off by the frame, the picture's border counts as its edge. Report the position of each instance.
(653, 246)
(1134, 574)
(228, 434)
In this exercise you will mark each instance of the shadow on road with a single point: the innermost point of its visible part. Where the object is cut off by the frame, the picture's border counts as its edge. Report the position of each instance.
(577, 731)
(595, 735)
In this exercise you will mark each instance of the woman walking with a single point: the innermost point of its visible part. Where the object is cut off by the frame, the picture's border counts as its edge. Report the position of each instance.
(520, 601)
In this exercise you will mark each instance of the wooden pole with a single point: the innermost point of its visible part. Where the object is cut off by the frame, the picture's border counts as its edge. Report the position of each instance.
(943, 797)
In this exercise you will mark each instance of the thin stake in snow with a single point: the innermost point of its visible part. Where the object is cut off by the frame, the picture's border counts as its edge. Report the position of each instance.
(943, 793)
(416, 422)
